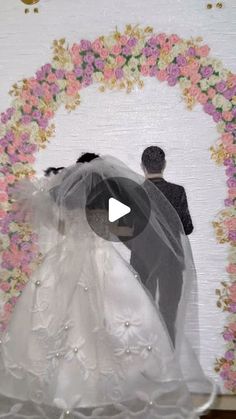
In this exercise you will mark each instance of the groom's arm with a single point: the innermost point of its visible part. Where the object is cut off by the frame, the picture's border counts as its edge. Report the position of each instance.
(185, 214)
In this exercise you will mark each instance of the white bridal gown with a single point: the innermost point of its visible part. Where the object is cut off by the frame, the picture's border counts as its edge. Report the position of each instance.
(87, 341)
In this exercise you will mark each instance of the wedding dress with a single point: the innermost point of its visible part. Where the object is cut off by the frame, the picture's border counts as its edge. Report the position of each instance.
(86, 339)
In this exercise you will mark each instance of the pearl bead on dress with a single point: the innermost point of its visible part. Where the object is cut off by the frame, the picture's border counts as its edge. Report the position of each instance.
(127, 324)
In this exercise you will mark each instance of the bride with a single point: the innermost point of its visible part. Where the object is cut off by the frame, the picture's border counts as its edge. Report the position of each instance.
(86, 339)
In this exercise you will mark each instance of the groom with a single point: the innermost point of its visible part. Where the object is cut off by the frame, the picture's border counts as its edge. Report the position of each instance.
(169, 276)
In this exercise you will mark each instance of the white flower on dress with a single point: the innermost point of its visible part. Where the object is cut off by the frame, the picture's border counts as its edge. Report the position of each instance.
(125, 324)
(149, 345)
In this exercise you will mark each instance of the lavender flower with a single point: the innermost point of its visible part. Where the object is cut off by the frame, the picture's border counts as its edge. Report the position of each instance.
(153, 71)
(79, 72)
(85, 45)
(181, 60)
(60, 73)
(132, 42)
(209, 108)
(191, 52)
(126, 51)
(229, 355)
(173, 70)
(207, 71)
(232, 237)
(147, 51)
(228, 94)
(221, 86)
(119, 73)
(89, 58)
(217, 116)
(99, 64)
(171, 81)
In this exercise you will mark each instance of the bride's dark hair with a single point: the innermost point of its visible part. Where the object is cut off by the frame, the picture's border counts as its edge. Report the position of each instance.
(87, 157)
(54, 170)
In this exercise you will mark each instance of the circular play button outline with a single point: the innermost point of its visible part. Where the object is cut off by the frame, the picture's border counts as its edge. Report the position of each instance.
(125, 195)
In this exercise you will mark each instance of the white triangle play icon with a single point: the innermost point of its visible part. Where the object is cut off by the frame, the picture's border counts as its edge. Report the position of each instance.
(117, 210)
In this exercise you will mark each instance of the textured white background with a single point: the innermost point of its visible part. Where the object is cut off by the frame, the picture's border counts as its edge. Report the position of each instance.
(122, 125)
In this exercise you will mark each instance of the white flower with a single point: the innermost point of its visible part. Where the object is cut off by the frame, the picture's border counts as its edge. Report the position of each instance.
(221, 127)
(218, 100)
(227, 106)
(125, 324)
(184, 83)
(213, 80)
(223, 74)
(98, 77)
(204, 84)
(217, 65)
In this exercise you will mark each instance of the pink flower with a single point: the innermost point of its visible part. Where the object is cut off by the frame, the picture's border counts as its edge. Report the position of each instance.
(161, 38)
(194, 91)
(116, 49)
(5, 286)
(97, 45)
(227, 139)
(151, 60)
(166, 47)
(120, 60)
(3, 185)
(123, 40)
(3, 197)
(145, 69)
(231, 268)
(70, 76)
(51, 78)
(202, 98)
(174, 39)
(73, 87)
(211, 93)
(8, 308)
(104, 53)
(108, 73)
(232, 193)
(227, 116)
(162, 75)
(2, 213)
(232, 326)
(203, 51)
(195, 77)
(27, 108)
(230, 224)
(231, 148)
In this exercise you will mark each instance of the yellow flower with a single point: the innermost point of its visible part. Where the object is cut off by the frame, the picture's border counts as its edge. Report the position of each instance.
(233, 100)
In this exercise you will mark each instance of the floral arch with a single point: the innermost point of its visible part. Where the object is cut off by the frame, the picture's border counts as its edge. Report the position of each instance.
(118, 61)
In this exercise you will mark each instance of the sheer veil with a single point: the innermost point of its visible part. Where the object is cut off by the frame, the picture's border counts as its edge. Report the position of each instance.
(58, 209)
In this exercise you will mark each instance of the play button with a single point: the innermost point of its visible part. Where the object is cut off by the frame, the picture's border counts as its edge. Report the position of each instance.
(117, 210)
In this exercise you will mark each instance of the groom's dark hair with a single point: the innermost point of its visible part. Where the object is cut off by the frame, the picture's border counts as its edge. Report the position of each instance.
(87, 157)
(153, 159)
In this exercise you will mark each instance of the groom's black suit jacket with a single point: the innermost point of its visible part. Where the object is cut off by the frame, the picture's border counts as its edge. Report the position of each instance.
(176, 195)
